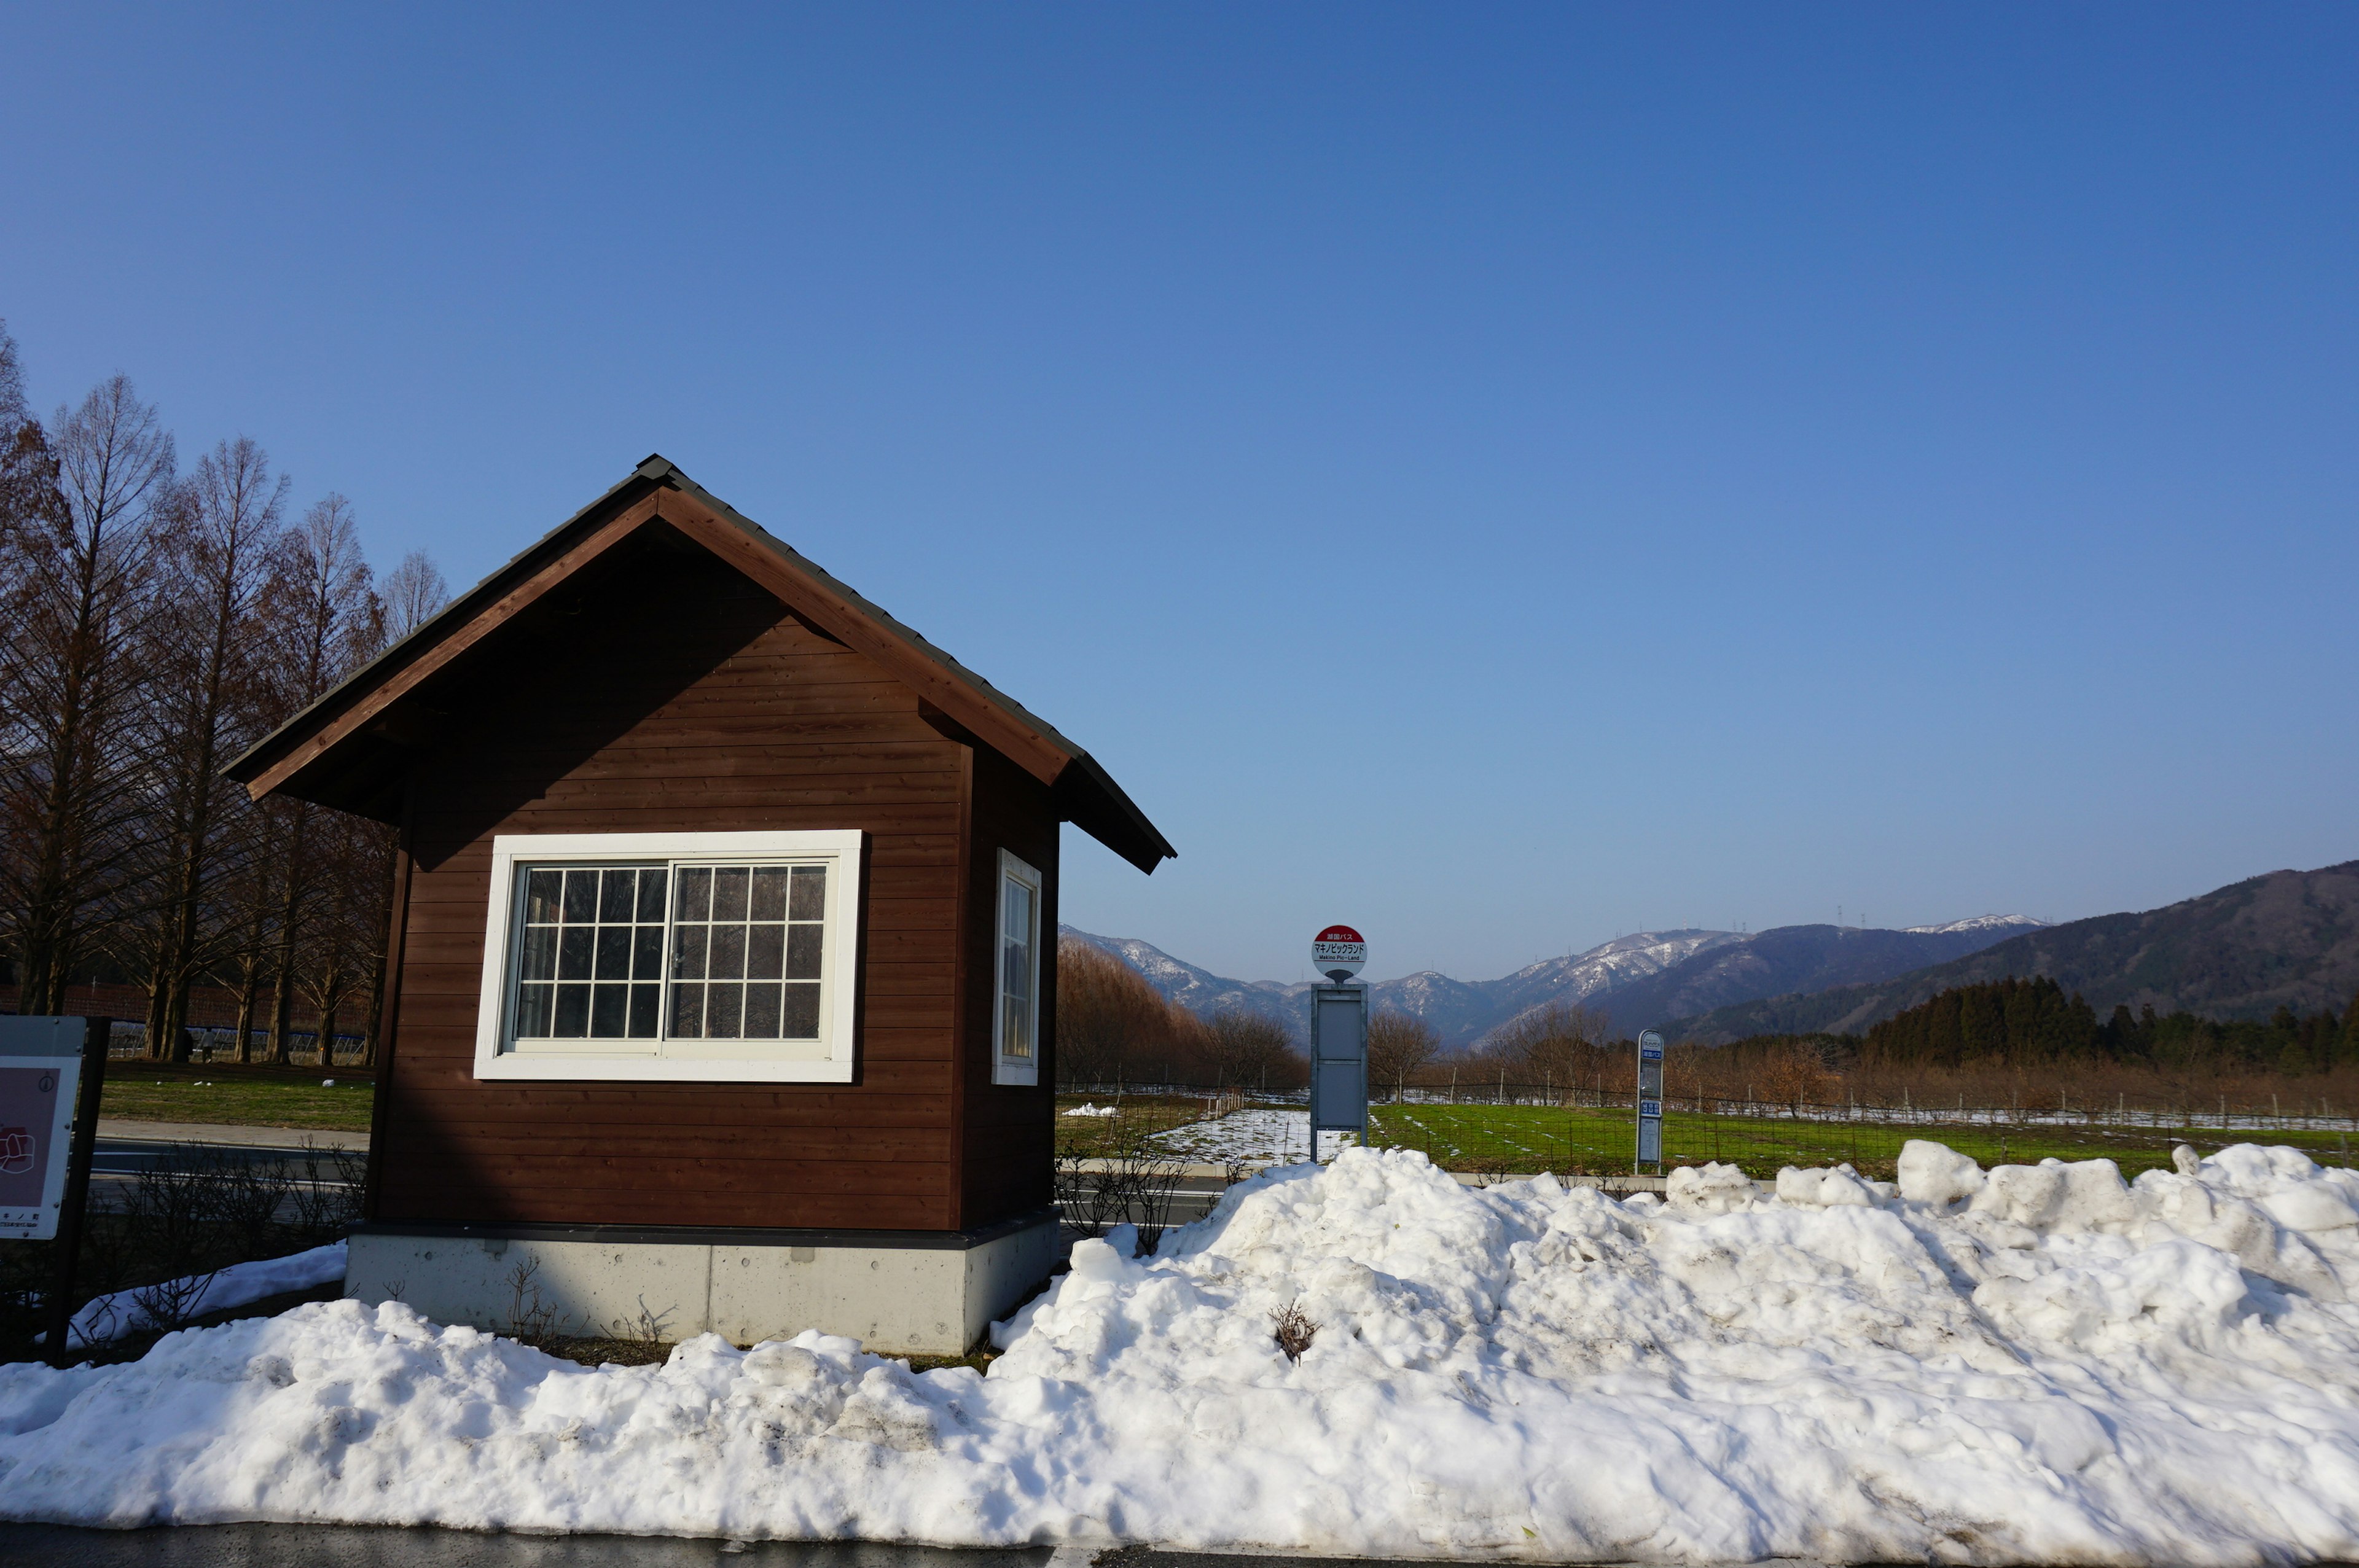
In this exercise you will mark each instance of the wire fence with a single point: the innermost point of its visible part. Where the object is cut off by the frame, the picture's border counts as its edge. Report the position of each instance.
(2190, 1113)
(128, 1042)
(1501, 1126)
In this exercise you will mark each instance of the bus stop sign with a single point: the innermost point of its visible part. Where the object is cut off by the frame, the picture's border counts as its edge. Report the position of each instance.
(1338, 1037)
(1339, 953)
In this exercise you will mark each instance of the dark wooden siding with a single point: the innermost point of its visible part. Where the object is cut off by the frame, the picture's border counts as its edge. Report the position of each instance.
(1008, 1134)
(675, 695)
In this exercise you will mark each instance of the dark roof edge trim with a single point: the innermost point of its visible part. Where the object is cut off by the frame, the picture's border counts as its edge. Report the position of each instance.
(1086, 794)
(463, 608)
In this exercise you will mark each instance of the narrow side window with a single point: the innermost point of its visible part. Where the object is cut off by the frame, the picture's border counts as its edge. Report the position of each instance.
(1016, 1026)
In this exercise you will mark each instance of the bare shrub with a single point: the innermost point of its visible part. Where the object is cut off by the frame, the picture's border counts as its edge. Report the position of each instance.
(1131, 1179)
(167, 1304)
(323, 1193)
(171, 1223)
(531, 1320)
(1293, 1329)
(646, 1328)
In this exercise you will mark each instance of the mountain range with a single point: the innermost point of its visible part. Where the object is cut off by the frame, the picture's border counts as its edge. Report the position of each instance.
(1650, 978)
(2285, 939)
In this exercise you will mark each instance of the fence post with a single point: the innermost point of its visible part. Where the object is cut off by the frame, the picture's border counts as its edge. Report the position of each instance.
(97, 1034)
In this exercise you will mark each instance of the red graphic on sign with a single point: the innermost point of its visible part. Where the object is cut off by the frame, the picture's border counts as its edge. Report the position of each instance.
(17, 1150)
(1338, 952)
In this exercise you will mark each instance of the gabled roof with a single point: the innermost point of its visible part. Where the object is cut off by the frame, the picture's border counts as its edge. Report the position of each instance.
(340, 751)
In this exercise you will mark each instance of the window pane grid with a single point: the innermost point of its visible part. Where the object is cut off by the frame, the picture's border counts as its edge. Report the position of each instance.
(590, 958)
(679, 951)
(747, 945)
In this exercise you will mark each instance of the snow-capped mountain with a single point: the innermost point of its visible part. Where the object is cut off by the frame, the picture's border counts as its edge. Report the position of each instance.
(1198, 990)
(2011, 924)
(1646, 978)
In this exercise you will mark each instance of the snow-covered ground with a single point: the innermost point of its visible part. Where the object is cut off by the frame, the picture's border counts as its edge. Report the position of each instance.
(2035, 1363)
(1269, 1136)
(111, 1317)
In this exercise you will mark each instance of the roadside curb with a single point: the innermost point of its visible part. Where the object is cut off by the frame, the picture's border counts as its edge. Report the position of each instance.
(124, 1130)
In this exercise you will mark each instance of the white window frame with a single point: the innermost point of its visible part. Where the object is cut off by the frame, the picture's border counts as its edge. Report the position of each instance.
(1006, 1069)
(827, 1060)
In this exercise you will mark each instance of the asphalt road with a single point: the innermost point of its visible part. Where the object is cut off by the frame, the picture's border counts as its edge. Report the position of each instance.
(115, 1162)
(349, 1546)
(128, 1156)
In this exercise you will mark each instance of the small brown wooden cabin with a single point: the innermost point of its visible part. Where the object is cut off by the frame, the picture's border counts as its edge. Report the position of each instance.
(660, 673)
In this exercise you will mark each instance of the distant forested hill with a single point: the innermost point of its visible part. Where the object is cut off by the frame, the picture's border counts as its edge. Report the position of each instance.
(1788, 959)
(2287, 939)
(2035, 1022)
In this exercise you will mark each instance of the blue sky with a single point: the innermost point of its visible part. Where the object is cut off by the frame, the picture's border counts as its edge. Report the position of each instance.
(1497, 476)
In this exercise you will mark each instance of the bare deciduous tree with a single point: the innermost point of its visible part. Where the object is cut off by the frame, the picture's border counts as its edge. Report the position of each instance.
(1399, 1045)
(1560, 1044)
(414, 594)
(150, 629)
(1244, 1050)
(203, 711)
(325, 621)
(74, 774)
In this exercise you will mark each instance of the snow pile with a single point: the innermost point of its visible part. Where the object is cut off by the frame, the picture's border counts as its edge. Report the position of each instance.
(1086, 1109)
(2031, 1364)
(110, 1317)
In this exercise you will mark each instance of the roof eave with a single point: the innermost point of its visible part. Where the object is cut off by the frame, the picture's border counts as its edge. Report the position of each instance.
(257, 759)
(1085, 794)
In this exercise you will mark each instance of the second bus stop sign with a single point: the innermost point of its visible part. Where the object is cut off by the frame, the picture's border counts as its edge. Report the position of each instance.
(1650, 1099)
(1339, 953)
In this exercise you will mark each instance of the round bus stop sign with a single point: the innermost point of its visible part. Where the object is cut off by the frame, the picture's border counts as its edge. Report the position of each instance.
(1338, 952)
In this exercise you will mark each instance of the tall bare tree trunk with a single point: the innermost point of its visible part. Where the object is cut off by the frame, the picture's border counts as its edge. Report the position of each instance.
(249, 975)
(160, 987)
(331, 996)
(282, 1000)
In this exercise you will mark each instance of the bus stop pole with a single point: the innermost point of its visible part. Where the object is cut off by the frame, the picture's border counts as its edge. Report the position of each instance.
(96, 1033)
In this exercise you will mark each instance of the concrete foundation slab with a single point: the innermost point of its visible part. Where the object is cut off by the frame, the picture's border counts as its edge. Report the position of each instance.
(926, 1295)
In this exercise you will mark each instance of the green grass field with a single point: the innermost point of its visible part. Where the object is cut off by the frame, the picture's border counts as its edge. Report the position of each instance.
(1522, 1138)
(1141, 1116)
(1517, 1139)
(235, 1102)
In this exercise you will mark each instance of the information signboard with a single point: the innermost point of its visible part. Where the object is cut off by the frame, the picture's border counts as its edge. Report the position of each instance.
(1650, 1099)
(40, 1080)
